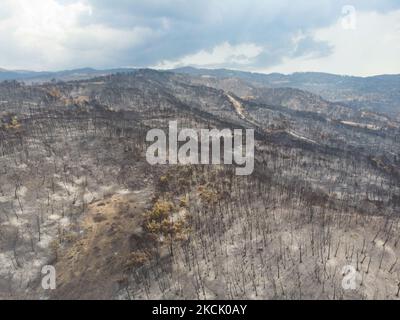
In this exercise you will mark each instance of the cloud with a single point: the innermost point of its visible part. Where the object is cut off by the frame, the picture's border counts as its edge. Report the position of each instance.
(372, 48)
(221, 55)
(252, 35)
(45, 34)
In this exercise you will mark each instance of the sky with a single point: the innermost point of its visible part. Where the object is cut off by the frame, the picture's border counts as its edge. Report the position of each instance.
(356, 37)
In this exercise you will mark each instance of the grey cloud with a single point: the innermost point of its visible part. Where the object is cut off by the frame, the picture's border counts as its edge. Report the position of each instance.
(186, 27)
(179, 28)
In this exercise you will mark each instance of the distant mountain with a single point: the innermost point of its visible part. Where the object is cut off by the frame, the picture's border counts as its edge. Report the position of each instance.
(65, 75)
(379, 93)
(19, 75)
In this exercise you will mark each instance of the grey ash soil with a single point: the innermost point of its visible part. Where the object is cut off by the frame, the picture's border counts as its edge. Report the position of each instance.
(76, 192)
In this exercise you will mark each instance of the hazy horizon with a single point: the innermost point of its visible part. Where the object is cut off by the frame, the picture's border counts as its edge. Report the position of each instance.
(197, 68)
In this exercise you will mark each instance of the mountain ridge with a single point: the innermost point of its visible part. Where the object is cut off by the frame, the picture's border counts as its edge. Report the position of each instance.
(379, 93)
(12, 74)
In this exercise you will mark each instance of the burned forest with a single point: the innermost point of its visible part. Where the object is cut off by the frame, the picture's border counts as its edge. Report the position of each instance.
(77, 193)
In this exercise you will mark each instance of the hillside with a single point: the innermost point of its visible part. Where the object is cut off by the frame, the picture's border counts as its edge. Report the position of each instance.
(77, 192)
(378, 93)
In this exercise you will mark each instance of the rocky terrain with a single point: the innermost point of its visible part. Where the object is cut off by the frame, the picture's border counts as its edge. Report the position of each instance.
(77, 192)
